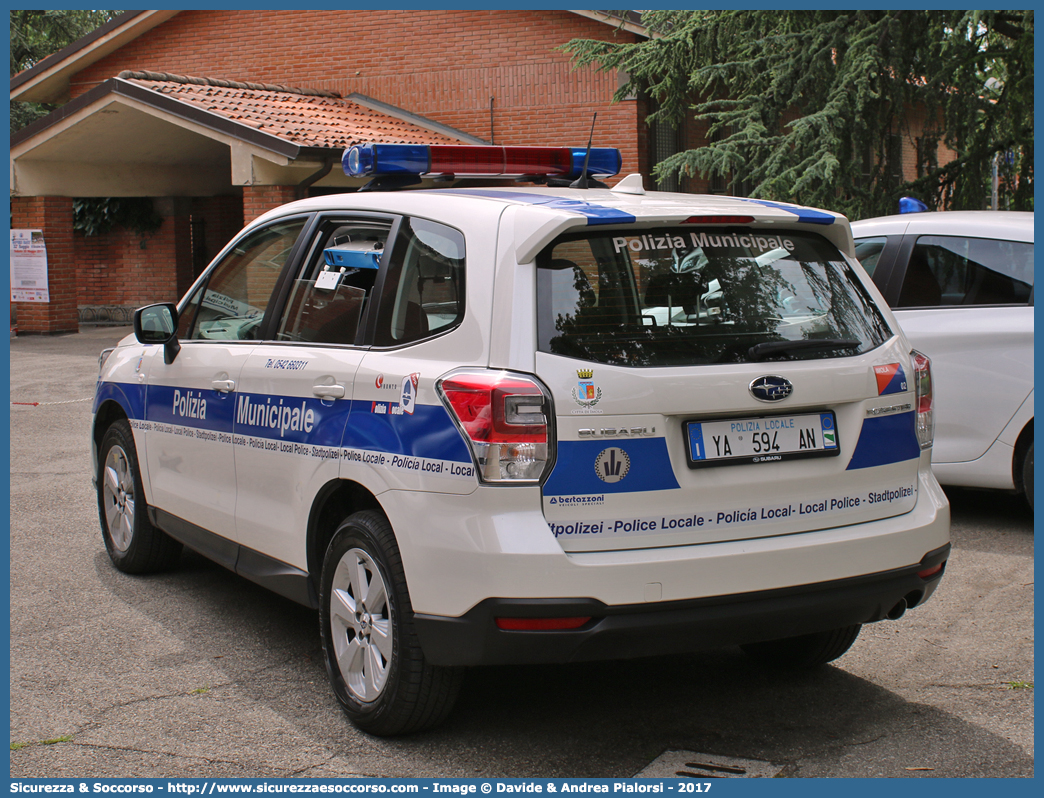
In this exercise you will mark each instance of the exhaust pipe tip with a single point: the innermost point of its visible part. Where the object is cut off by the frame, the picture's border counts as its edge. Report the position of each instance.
(897, 611)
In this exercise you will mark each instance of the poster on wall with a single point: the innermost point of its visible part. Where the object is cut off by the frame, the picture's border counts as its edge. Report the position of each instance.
(29, 267)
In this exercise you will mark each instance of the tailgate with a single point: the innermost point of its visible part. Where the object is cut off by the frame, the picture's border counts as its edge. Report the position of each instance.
(627, 479)
(718, 383)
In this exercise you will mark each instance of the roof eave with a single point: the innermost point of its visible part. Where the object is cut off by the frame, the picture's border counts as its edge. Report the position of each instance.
(414, 119)
(168, 105)
(630, 21)
(48, 81)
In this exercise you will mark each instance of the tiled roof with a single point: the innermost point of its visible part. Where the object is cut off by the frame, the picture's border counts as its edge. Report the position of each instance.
(305, 117)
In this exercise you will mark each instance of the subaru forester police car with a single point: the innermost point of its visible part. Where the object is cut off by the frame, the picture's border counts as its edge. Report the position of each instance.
(539, 424)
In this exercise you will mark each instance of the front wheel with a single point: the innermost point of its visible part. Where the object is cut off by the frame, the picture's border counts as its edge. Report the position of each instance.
(135, 546)
(373, 657)
(806, 651)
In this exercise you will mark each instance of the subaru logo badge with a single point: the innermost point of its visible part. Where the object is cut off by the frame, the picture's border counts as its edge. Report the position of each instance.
(771, 389)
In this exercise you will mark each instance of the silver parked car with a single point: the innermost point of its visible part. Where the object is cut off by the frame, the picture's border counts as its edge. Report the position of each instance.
(961, 286)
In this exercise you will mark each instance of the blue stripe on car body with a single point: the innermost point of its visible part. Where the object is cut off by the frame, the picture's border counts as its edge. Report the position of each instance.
(429, 432)
(884, 440)
(128, 395)
(574, 472)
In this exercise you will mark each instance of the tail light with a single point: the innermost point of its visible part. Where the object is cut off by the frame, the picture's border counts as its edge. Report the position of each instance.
(928, 573)
(925, 399)
(505, 419)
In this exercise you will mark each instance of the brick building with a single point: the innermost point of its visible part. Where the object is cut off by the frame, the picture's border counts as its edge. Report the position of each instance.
(220, 115)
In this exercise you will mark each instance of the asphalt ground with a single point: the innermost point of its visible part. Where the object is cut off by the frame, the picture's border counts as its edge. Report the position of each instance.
(200, 673)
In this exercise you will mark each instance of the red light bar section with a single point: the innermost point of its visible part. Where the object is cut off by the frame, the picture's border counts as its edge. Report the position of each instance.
(719, 220)
(452, 159)
(540, 624)
(538, 161)
(470, 160)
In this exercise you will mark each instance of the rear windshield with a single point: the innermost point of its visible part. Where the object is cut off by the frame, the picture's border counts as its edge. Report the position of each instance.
(686, 296)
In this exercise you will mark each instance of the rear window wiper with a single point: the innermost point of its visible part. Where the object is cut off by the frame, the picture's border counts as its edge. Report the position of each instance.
(769, 348)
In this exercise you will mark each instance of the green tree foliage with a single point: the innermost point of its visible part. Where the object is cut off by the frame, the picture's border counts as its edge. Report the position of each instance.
(36, 34)
(814, 106)
(96, 216)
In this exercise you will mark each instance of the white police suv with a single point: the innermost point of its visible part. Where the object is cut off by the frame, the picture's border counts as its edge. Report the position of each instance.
(532, 424)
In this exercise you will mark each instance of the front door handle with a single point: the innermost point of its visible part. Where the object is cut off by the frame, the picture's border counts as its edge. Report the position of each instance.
(329, 391)
(223, 386)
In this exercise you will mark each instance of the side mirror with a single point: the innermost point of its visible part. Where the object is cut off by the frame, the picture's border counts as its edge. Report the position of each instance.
(158, 324)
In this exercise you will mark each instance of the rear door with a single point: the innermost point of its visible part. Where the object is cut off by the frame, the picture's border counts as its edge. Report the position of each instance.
(718, 383)
(401, 435)
(295, 391)
(967, 304)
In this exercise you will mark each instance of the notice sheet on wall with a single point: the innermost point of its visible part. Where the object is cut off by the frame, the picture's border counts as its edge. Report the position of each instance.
(29, 267)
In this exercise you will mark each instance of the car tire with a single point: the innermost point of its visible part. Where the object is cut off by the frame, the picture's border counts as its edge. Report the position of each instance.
(1027, 476)
(373, 656)
(806, 651)
(134, 545)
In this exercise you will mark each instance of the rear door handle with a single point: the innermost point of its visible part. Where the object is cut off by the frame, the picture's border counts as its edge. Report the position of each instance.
(329, 391)
(223, 386)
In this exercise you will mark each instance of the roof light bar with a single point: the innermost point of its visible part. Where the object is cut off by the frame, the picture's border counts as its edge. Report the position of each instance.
(372, 160)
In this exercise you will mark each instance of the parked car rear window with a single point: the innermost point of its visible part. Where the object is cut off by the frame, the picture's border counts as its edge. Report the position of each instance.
(868, 251)
(686, 296)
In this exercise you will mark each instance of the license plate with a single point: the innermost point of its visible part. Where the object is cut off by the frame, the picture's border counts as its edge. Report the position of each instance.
(765, 439)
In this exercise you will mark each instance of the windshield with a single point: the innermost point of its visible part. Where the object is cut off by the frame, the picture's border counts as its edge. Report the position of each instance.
(688, 295)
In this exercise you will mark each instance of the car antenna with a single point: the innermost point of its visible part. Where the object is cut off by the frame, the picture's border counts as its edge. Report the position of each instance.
(582, 181)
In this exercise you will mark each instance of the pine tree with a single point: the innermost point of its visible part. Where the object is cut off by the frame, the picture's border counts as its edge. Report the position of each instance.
(810, 106)
(36, 34)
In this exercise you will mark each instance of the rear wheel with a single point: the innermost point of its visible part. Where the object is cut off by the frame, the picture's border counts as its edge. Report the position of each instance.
(806, 651)
(373, 657)
(135, 546)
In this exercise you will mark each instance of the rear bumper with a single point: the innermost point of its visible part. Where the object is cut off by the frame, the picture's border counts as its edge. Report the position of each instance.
(624, 631)
(496, 544)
